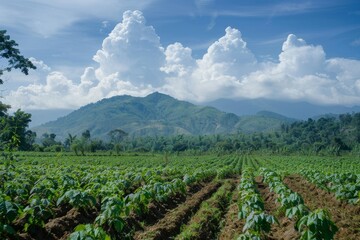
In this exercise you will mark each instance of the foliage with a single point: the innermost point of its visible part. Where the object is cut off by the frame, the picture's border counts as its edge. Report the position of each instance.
(346, 186)
(78, 199)
(317, 225)
(13, 131)
(113, 211)
(38, 211)
(9, 211)
(251, 207)
(9, 51)
(89, 232)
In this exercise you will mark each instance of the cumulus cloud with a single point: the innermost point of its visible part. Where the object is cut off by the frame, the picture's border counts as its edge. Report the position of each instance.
(132, 50)
(128, 63)
(133, 61)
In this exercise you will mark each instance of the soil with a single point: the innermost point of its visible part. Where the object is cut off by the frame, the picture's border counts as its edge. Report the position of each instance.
(232, 225)
(345, 216)
(61, 227)
(285, 230)
(158, 210)
(170, 224)
(66, 218)
(205, 224)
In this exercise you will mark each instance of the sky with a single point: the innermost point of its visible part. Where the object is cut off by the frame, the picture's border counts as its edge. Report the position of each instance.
(195, 50)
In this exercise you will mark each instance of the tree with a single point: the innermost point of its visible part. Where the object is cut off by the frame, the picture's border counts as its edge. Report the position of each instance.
(9, 51)
(117, 135)
(13, 134)
(13, 130)
(86, 135)
(69, 141)
(48, 140)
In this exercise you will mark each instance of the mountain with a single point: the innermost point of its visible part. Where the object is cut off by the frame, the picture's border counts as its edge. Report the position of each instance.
(296, 110)
(156, 114)
(39, 117)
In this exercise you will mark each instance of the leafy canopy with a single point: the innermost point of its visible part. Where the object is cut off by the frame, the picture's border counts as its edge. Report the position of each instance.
(15, 60)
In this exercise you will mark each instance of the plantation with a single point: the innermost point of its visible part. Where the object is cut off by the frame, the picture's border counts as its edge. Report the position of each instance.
(46, 196)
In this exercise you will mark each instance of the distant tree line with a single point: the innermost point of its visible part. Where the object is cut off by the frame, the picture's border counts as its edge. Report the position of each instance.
(324, 136)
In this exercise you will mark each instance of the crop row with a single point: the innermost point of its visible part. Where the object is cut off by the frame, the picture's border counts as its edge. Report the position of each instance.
(346, 186)
(315, 224)
(251, 208)
(32, 195)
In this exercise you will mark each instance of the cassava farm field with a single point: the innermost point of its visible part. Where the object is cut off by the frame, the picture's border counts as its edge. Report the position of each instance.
(179, 197)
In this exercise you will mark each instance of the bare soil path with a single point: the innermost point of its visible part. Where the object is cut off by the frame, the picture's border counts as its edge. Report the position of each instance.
(170, 224)
(285, 230)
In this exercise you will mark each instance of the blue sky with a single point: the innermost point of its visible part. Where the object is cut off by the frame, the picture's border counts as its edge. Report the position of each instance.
(273, 43)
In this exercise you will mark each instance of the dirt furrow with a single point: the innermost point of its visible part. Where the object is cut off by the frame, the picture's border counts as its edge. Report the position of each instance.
(345, 216)
(170, 224)
(232, 225)
(285, 230)
(205, 224)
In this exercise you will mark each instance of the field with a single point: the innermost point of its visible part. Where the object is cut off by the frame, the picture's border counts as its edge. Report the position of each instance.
(144, 196)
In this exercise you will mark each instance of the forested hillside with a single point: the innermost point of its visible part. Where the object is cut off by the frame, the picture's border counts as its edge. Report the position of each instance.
(156, 115)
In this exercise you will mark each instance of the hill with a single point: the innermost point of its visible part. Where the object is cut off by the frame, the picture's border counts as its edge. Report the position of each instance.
(296, 110)
(156, 114)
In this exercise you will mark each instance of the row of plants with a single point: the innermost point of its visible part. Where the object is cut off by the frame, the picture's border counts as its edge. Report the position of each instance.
(345, 186)
(315, 224)
(344, 164)
(34, 193)
(251, 208)
(205, 223)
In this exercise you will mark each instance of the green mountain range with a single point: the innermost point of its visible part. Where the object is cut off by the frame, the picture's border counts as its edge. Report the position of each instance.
(156, 114)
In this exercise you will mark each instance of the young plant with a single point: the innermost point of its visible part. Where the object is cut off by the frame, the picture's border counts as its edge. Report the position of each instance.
(317, 225)
(113, 211)
(89, 232)
(259, 222)
(77, 199)
(8, 213)
(37, 212)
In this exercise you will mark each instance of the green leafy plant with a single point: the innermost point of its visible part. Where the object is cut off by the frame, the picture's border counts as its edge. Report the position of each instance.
(249, 236)
(113, 211)
(259, 222)
(8, 213)
(38, 211)
(77, 199)
(317, 225)
(297, 211)
(89, 232)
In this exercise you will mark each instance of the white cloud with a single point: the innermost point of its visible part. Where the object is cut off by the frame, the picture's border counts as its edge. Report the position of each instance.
(132, 61)
(129, 63)
(133, 50)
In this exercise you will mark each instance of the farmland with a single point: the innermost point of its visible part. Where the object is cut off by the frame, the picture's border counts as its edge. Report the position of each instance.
(160, 196)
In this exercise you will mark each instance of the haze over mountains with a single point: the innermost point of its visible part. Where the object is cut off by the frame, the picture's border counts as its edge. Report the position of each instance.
(156, 114)
(295, 110)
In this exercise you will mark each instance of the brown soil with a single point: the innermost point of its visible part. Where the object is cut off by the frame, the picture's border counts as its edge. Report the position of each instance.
(345, 216)
(232, 226)
(61, 227)
(158, 210)
(170, 224)
(285, 230)
(205, 224)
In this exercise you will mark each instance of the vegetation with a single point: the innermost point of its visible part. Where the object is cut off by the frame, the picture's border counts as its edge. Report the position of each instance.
(114, 193)
(155, 115)
(122, 175)
(12, 54)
